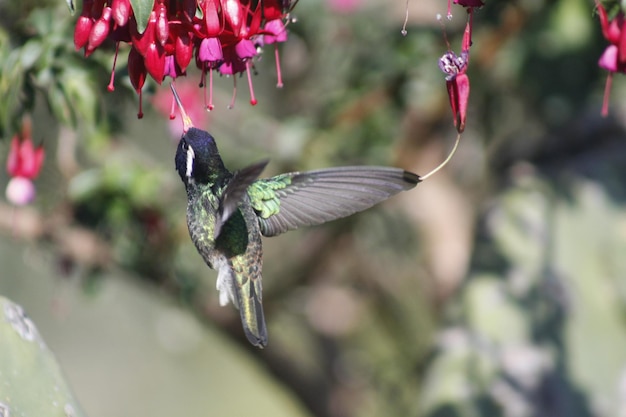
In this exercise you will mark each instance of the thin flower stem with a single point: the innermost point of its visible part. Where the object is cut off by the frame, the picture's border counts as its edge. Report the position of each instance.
(607, 94)
(210, 106)
(406, 18)
(111, 86)
(279, 74)
(445, 162)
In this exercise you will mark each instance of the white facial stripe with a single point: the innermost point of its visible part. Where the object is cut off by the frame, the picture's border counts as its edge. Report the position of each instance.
(190, 157)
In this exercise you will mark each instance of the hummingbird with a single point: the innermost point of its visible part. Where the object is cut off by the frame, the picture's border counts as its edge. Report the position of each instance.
(228, 212)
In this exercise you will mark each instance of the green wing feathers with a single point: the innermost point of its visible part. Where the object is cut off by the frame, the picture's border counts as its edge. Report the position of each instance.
(292, 200)
(264, 197)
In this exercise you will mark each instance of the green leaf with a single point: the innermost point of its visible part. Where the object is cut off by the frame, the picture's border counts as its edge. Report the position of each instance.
(31, 378)
(60, 106)
(141, 10)
(30, 53)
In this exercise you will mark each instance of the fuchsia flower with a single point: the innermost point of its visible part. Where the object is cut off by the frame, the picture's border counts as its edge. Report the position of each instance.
(457, 81)
(226, 36)
(614, 57)
(23, 165)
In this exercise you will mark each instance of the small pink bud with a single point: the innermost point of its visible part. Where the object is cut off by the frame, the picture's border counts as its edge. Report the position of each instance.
(183, 50)
(20, 191)
(81, 31)
(121, 11)
(136, 69)
(155, 62)
(162, 28)
(99, 31)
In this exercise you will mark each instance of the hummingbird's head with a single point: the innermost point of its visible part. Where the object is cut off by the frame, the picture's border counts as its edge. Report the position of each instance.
(197, 158)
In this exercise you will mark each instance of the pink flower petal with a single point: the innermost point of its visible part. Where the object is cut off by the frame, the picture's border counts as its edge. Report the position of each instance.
(608, 60)
(210, 50)
(245, 49)
(20, 191)
(275, 32)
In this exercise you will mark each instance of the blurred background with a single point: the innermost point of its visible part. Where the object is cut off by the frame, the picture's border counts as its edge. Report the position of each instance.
(495, 288)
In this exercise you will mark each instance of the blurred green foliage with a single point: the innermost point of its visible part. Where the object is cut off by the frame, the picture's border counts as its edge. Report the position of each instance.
(362, 320)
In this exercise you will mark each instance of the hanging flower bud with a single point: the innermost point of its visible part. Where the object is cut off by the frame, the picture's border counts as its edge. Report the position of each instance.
(99, 31)
(137, 74)
(183, 50)
(162, 27)
(136, 69)
(212, 20)
(234, 15)
(155, 62)
(82, 31)
(121, 11)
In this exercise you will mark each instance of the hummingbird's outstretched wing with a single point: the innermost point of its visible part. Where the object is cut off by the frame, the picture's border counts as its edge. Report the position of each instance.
(291, 200)
(234, 192)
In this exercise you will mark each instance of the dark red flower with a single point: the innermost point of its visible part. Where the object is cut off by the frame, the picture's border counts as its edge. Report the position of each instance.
(457, 81)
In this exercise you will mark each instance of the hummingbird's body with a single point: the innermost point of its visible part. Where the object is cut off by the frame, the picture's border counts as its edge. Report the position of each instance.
(224, 227)
(236, 254)
(228, 212)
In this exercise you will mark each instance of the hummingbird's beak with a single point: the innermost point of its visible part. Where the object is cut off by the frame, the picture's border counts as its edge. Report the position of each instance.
(187, 123)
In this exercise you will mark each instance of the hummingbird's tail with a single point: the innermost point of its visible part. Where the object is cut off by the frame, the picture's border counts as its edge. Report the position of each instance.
(245, 291)
(252, 317)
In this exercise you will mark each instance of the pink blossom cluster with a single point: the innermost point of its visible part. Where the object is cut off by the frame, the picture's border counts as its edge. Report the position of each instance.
(222, 36)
